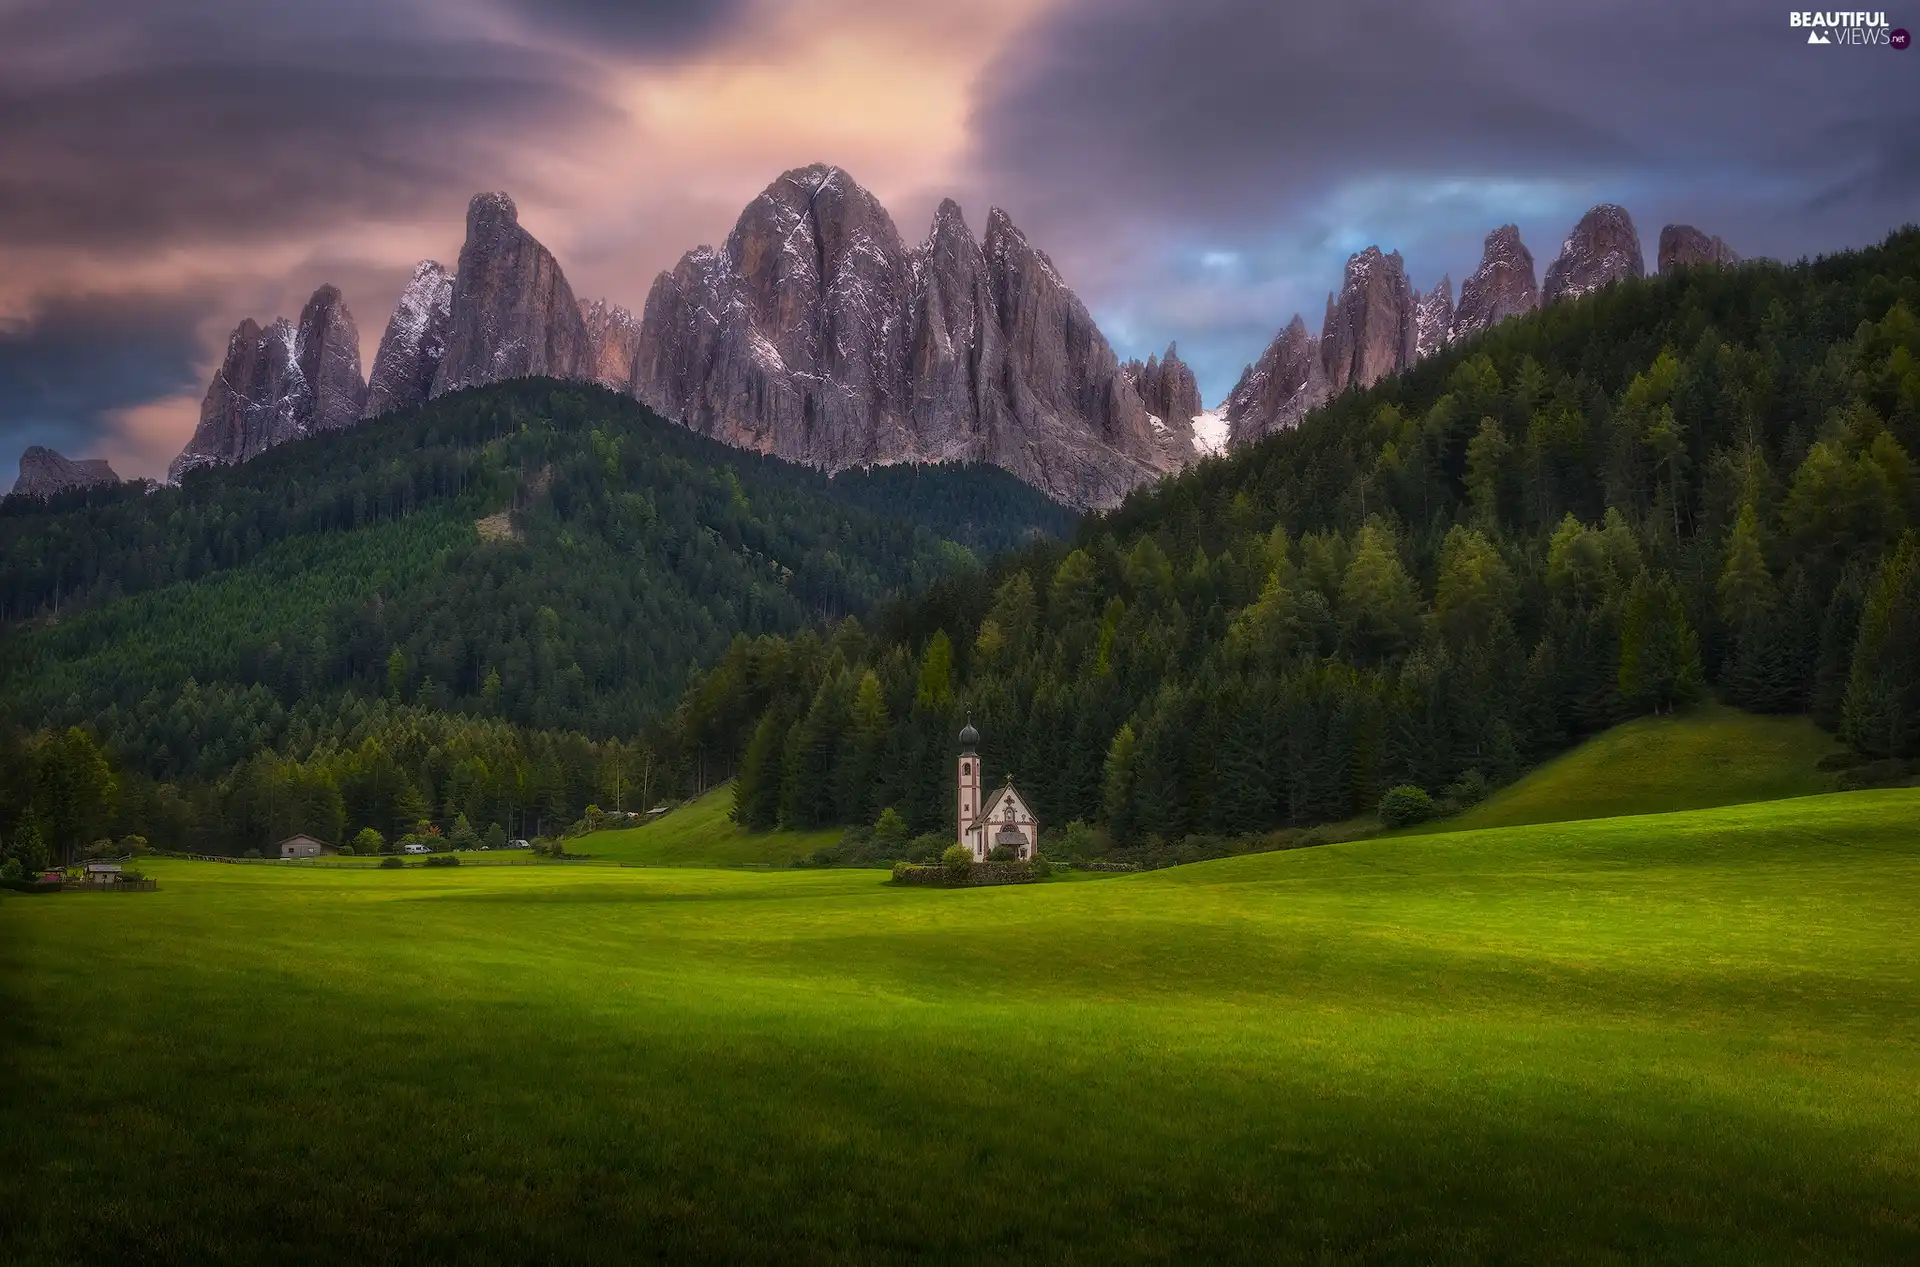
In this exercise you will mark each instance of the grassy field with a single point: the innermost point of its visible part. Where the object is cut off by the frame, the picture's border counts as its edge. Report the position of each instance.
(700, 833)
(1690, 1037)
(1710, 755)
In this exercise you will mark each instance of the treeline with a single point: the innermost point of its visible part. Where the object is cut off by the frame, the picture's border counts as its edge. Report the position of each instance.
(1702, 482)
(394, 769)
(547, 554)
(532, 567)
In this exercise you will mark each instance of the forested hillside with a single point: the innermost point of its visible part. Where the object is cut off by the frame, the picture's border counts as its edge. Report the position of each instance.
(1692, 483)
(474, 607)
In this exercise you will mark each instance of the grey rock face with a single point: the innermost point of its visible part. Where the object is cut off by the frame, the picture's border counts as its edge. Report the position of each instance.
(1683, 246)
(512, 312)
(1433, 319)
(613, 340)
(814, 333)
(279, 384)
(1167, 387)
(1503, 286)
(1370, 330)
(44, 472)
(329, 350)
(258, 398)
(414, 344)
(1279, 389)
(1602, 249)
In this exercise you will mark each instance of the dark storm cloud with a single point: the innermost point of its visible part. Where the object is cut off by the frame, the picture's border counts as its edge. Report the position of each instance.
(132, 123)
(173, 138)
(1278, 138)
(234, 152)
(647, 27)
(82, 359)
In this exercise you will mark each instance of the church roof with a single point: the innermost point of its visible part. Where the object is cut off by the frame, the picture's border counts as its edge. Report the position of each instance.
(999, 798)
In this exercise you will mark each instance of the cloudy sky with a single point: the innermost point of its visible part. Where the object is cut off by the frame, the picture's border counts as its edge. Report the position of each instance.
(1199, 169)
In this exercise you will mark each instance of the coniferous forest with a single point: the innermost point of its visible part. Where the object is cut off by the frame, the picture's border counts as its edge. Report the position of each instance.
(1612, 507)
(521, 599)
(473, 609)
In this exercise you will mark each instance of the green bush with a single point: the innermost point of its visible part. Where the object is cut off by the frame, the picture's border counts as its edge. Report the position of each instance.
(463, 835)
(496, 836)
(1405, 805)
(891, 833)
(251, 853)
(12, 870)
(927, 848)
(369, 841)
(346, 851)
(900, 870)
(443, 860)
(133, 846)
(391, 863)
(958, 860)
(1002, 853)
(1469, 789)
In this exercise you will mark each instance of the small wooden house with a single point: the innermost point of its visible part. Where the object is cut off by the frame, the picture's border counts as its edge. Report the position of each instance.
(102, 875)
(304, 847)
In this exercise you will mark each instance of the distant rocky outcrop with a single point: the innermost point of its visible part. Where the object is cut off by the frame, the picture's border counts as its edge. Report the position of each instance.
(279, 384)
(414, 344)
(1370, 328)
(1502, 286)
(512, 312)
(1433, 319)
(44, 472)
(1601, 250)
(613, 340)
(1167, 387)
(1276, 391)
(816, 334)
(1683, 246)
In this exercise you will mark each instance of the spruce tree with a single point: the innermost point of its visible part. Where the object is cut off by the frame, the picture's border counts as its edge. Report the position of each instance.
(1659, 654)
(1882, 714)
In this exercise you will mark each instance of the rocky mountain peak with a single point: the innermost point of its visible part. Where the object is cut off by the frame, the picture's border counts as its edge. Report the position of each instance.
(279, 384)
(1502, 286)
(43, 472)
(1166, 386)
(329, 351)
(414, 344)
(511, 313)
(816, 334)
(1433, 318)
(1602, 249)
(1683, 246)
(1371, 330)
(1279, 389)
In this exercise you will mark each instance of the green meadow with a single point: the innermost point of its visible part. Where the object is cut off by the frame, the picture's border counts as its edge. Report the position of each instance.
(1709, 755)
(1687, 1037)
(701, 833)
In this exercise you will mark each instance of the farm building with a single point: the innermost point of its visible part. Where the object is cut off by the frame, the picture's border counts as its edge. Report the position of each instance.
(304, 847)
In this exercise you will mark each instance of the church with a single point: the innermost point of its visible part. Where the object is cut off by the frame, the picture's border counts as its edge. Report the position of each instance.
(1002, 819)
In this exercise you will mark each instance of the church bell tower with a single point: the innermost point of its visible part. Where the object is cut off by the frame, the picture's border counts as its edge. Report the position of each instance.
(969, 780)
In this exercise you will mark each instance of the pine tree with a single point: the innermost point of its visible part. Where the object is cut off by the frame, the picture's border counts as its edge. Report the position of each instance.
(1659, 654)
(756, 791)
(1882, 714)
(1118, 784)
